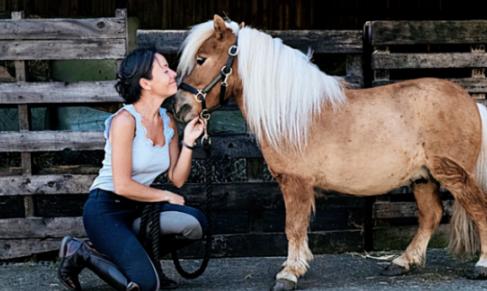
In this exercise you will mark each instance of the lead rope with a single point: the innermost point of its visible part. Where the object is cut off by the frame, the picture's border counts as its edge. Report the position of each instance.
(151, 234)
(150, 221)
(206, 143)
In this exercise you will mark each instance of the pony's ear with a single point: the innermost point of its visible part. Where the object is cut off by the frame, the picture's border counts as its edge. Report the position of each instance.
(219, 25)
(242, 25)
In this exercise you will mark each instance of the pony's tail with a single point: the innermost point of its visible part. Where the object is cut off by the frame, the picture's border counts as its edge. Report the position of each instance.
(464, 237)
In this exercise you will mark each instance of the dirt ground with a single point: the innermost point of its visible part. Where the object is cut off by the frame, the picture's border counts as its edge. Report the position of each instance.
(349, 271)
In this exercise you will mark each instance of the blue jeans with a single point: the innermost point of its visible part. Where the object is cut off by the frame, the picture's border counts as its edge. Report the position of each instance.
(109, 222)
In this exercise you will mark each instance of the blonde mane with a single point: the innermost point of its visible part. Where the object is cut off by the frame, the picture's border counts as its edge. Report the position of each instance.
(282, 89)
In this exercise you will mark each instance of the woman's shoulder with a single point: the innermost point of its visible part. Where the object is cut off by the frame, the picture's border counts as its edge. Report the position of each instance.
(123, 117)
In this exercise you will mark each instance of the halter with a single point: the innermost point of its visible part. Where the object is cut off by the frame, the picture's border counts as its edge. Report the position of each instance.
(225, 72)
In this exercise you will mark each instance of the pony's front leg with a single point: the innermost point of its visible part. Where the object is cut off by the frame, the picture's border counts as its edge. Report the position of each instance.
(299, 202)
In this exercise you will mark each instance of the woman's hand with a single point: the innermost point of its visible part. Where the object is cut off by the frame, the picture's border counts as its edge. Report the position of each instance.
(193, 130)
(173, 198)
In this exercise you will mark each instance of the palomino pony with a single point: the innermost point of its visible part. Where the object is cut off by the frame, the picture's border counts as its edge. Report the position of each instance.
(315, 132)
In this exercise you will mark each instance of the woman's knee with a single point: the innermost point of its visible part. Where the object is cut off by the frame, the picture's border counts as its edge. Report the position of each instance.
(201, 219)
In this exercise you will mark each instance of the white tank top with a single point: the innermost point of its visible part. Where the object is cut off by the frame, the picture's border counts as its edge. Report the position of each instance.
(148, 160)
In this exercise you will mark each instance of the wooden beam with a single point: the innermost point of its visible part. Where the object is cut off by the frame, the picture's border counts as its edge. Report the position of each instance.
(472, 85)
(321, 41)
(41, 227)
(24, 124)
(18, 248)
(427, 32)
(382, 60)
(390, 210)
(45, 184)
(240, 145)
(63, 28)
(35, 141)
(95, 49)
(59, 92)
(223, 245)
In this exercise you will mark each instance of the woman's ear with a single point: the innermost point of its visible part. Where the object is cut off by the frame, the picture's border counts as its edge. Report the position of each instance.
(145, 84)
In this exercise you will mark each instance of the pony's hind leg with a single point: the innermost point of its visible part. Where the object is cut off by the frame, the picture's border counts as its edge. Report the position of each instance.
(429, 213)
(467, 192)
(299, 201)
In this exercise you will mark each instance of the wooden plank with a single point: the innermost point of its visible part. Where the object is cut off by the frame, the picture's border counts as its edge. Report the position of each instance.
(59, 92)
(35, 141)
(427, 32)
(41, 227)
(122, 13)
(381, 60)
(227, 121)
(18, 248)
(472, 85)
(321, 41)
(243, 146)
(62, 49)
(223, 245)
(165, 41)
(24, 125)
(390, 210)
(45, 184)
(233, 195)
(63, 28)
(398, 237)
(238, 145)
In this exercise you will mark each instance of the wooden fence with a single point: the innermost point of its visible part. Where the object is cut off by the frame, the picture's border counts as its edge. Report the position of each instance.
(22, 40)
(245, 207)
(453, 50)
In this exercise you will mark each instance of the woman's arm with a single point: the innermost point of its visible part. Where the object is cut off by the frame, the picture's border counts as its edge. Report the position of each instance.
(180, 165)
(122, 133)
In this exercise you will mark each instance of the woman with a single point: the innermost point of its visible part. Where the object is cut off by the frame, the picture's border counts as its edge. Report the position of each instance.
(141, 143)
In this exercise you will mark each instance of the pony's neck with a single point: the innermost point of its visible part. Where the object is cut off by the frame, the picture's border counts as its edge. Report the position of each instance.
(237, 94)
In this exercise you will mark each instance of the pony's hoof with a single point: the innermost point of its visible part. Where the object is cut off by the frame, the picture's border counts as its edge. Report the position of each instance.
(283, 284)
(394, 270)
(478, 273)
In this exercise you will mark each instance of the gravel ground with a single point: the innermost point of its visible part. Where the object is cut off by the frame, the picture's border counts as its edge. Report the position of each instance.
(349, 271)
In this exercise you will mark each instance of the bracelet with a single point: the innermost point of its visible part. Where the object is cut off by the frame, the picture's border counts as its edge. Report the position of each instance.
(188, 146)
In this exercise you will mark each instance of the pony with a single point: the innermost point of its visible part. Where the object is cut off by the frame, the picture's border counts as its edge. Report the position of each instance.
(314, 131)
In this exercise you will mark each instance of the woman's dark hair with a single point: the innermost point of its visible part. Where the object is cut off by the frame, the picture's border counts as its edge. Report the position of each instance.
(136, 65)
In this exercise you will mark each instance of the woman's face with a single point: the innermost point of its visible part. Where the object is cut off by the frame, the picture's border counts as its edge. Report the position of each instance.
(163, 78)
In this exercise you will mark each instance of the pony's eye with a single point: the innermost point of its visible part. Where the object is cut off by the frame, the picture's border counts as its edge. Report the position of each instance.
(200, 60)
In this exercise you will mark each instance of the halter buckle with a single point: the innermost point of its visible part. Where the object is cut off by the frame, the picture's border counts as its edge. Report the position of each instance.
(200, 96)
(225, 76)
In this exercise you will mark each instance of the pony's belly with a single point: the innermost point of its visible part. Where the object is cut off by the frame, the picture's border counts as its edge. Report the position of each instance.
(370, 179)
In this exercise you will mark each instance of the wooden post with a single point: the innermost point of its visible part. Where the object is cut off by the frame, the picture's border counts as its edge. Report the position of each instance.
(122, 13)
(24, 125)
(354, 70)
(478, 73)
(381, 76)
